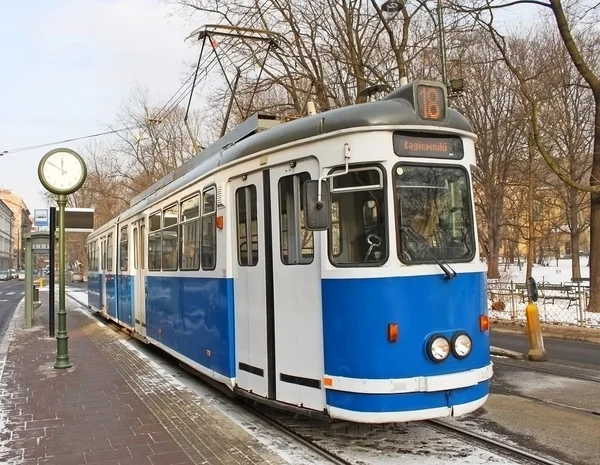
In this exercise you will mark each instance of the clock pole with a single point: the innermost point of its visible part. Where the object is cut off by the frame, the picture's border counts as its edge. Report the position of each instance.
(62, 338)
(62, 172)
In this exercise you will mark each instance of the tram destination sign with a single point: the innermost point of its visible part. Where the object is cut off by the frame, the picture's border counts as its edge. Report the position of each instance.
(428, 146)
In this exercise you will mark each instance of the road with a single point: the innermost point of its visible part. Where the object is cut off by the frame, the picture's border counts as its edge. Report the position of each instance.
(559, 351)
(11, 293)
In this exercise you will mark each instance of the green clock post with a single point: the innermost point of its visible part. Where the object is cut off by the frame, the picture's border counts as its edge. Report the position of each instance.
(62, 172)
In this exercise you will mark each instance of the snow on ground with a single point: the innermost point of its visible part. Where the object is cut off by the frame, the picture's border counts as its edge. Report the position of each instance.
(562, 310)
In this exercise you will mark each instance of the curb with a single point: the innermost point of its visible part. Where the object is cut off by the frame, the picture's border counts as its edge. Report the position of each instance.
(507, 353)
(10, 333)
(78, 301)
(552, 332)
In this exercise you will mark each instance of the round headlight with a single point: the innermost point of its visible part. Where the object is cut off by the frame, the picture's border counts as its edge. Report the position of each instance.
(439, 348)
(462, 345)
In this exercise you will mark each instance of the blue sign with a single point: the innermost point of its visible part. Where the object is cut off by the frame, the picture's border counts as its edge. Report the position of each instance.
(40, 218)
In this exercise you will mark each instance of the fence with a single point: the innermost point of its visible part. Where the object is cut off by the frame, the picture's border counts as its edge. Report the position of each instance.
(563, 303)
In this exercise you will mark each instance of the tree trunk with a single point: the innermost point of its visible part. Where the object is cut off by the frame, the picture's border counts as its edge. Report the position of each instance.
(594, 305)
(574, 220)
(531, 232)
(493, 271)
(575, 264)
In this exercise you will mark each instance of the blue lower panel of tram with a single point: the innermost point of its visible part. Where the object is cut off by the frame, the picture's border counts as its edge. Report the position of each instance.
(194, 317)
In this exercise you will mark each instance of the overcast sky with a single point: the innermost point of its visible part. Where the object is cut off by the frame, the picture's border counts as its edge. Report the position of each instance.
(67, 66)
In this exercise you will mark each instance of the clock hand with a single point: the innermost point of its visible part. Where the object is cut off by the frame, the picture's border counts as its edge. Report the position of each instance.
(52, 164)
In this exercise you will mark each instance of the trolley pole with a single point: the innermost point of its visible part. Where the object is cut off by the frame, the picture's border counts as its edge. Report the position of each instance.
(62, 338)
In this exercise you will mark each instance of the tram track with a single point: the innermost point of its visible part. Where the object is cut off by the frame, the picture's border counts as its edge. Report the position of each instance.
(549, 371)
(498, 446)
(514, 393)
(282, 428)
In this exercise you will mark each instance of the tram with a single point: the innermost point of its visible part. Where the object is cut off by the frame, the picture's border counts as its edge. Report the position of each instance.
(327, 265)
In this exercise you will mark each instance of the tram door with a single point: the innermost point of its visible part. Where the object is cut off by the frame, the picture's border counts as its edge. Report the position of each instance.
(296, 289)
(249, 281)
(277, 287)
(139, 284)
(103, 301)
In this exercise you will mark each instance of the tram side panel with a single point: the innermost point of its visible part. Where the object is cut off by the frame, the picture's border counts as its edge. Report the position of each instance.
(190, 313)
(111, 277)
(124, 279)
(93, 279)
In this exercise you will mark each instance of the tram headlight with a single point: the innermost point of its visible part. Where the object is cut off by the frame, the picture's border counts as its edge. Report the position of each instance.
(461, 345)
(438, 348)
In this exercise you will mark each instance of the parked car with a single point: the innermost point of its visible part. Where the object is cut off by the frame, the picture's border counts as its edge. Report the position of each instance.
(21, 276)
(77, 277)
(13, 273)
(5, 275)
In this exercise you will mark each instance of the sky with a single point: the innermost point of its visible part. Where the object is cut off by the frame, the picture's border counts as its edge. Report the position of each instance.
(68, 66)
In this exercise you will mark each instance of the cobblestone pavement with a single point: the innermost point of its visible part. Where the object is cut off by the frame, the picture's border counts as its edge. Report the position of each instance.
(113, 407)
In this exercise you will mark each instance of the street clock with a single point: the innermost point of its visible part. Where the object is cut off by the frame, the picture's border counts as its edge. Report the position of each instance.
(62, 171)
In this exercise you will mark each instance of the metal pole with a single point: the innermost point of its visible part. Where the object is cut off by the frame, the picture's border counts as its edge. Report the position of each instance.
(62, 339)
(441, 42)
(28, 284)
(52, 265)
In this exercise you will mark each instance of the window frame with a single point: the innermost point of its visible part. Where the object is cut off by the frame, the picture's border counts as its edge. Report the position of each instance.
(124, 228)
(397, 213)
(299, 229)
(109, 255)
(202, 216)
(174, 227)
(250, 262)
(151, 233)
(182, 223)
(384, 187)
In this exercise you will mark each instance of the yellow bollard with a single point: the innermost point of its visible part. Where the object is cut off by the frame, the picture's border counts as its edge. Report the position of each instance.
(537, 353)
(41, 282)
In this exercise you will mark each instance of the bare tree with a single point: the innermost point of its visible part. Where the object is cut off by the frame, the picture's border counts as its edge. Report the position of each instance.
(493, 107)
(584, 58)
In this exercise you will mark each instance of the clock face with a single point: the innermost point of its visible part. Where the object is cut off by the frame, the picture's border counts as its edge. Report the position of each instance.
(62, 171)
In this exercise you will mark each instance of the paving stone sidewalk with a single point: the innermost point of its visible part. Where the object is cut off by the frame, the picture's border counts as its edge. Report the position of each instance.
(113, 407)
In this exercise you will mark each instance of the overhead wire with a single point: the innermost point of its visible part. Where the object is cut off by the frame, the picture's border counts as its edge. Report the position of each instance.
(161, 115)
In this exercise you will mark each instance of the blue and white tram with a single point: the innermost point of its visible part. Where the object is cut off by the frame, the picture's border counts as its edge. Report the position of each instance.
(377, 314)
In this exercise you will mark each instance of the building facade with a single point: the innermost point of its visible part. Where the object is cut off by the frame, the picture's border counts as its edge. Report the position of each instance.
(6, 230)
(21, 225)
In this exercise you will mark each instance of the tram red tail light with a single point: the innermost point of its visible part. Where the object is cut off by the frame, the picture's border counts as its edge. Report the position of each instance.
(484, 323)
(393, 332)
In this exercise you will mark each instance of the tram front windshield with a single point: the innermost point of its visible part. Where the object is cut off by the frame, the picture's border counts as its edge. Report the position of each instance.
(434, 214)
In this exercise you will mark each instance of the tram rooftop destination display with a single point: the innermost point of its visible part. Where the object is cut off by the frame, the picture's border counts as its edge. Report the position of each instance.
(428, 146)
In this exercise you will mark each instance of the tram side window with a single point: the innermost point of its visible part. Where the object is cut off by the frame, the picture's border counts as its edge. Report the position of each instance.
(247, 213)
(296, 242)
(209, 229)
(190, 234)
(103, 253)
(109, 253)
(124, 250)
(154, 243)
(358, 234)
(170, 238)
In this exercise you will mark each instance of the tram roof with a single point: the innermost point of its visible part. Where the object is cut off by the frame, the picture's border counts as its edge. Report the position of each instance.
(395, 109)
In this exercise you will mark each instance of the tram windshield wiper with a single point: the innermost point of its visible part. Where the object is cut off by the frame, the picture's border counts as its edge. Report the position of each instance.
(450, 273)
